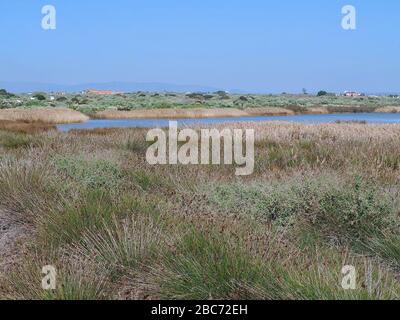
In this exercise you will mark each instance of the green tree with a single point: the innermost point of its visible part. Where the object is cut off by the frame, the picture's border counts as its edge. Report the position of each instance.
(5, 94)
(39, 96)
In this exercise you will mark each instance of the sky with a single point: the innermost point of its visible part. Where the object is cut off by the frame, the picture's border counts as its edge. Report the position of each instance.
(254, 45)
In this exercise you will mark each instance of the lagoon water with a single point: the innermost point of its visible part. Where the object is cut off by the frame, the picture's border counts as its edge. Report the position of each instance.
(304, 118)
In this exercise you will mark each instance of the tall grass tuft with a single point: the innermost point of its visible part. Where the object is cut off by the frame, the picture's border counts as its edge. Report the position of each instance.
(126, 245)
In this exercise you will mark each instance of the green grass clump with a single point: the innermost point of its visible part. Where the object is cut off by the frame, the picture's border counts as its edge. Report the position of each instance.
(124, 245)
(136, 146)
(150, 181)
(74, 280)
(92, 211)
(7, 158)
(28, 189)
(214, 266)
(16, 141)
(204, 267)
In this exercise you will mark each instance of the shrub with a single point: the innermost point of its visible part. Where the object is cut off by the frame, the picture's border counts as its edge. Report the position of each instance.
(348, 211)
(61, 99)
(94, 174)
(39, 96)
(5, 94)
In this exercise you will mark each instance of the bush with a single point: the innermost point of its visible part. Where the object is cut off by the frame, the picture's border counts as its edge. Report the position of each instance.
(5, 94)
(39, 96)
(348, 211)
(94, 174)
(61, 99)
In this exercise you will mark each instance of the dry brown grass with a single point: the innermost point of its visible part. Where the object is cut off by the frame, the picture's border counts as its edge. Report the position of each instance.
(43, 115)
(388, 110)
(269, 111)
(316, 110)
(289, 131)
(191, 113)
(23, 127)
(171, 113)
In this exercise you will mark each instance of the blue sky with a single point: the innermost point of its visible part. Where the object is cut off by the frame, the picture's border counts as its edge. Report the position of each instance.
(253, 45)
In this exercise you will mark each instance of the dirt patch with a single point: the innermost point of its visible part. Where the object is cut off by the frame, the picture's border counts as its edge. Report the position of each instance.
(11, 234)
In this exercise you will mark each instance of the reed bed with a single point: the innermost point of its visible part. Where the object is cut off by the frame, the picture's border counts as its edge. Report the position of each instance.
(388, 109)
(191, 113)
(19, 126)
(291, 131)
(43, 115)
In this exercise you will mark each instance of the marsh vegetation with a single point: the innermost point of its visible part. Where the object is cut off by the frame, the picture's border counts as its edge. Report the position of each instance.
(87, 202)
(92, 103)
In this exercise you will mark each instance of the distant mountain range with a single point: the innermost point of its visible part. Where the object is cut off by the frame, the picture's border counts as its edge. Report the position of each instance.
(25, 87)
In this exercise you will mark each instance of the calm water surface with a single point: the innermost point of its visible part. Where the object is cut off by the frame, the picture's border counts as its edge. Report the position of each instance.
(305, 118)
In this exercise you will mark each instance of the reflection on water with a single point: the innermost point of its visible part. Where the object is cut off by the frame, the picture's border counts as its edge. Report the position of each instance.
(305, 118)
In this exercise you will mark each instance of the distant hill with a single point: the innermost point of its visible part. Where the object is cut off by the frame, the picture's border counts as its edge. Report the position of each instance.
(24, 87)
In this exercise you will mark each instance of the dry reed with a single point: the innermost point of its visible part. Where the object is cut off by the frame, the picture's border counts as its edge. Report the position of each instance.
(43, 115)
(191, 113)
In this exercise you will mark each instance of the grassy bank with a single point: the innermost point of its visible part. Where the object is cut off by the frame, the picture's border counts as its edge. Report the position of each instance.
(87, 202)
(90, 104)
(67, 108)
